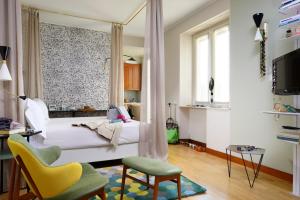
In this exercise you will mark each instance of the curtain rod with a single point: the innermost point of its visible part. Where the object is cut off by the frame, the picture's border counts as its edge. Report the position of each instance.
(135, 13)
(90, 18)
(71, 15)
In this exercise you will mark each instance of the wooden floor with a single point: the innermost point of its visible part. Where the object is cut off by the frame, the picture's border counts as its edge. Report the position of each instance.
(211, 172)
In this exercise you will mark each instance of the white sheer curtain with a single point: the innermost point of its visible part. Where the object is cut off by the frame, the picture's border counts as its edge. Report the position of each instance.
(117, 66)
(11, 35)
(153, 142)
(33, 79)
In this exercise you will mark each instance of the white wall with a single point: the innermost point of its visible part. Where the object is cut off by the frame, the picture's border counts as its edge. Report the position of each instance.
(198, 124)
(218, 129)
(249, 94)
(178, 46)
(210, 126)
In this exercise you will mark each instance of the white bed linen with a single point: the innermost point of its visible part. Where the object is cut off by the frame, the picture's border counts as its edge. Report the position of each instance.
(61, 133)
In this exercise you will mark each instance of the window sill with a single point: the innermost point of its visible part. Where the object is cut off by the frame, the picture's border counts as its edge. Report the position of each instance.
(213, 107)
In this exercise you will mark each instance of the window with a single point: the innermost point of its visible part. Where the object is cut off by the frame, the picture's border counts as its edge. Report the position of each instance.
(211, 60)
(202, 64)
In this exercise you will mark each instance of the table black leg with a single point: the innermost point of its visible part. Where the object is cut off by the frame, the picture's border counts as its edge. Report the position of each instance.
(228, 163)
(259, 165)
(27, 186)
(253, 167)
(256, 171)
(246, 171)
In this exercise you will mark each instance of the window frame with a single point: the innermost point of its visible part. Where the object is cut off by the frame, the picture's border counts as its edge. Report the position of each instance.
(210, 32)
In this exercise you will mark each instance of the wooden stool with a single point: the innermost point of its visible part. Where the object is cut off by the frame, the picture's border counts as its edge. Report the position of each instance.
(162, 171)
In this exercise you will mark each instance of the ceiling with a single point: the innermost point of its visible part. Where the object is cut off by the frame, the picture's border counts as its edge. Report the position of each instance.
(133, 51)
(111, 10)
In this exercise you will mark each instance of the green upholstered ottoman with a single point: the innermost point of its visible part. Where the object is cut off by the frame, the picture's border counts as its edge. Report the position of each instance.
(162, 171)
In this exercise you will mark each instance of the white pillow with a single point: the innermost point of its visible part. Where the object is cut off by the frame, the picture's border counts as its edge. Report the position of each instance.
(124, 112)
(35, 123)
(34, 116)
(43, 108)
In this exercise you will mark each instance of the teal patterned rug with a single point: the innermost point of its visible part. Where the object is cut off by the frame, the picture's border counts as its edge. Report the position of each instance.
(137, 191)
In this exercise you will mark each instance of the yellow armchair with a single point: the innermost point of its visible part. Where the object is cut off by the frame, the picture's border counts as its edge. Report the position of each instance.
(54, 182)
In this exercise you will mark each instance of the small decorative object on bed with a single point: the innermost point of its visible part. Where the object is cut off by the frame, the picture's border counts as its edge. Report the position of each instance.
(124, 112)
(112, 113)
(115, 114)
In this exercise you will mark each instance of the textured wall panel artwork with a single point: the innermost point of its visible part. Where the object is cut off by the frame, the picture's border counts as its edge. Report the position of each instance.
(73, 66)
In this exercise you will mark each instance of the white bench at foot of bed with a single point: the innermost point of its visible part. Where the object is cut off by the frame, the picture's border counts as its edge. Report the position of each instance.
(95, 154)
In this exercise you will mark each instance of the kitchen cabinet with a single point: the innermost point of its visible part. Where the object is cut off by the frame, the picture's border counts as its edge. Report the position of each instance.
(132, 77)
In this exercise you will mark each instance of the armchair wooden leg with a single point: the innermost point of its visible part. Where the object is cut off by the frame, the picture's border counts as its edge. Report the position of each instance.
(155, 189)
(148, 181)
(102, 194)
(27, 196)
(123, 181)
(179, 187)
(16, 194)
(11, 186)
(14, 184)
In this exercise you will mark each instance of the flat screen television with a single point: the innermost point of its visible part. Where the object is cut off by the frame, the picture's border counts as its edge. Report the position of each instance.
(286, 74)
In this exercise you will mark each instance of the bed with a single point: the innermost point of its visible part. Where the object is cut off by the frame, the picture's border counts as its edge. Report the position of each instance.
(80, 144)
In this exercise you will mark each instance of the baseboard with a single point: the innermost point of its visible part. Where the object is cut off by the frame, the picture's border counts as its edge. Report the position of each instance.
(198, 146)
(265, 169)
(201, 144)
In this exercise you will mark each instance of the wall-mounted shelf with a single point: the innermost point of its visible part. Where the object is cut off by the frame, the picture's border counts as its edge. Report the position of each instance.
(282, 113)
(291, 136)
(292, 37)
(205, 107)
(290, 22)
(291, 8)
(289, 140)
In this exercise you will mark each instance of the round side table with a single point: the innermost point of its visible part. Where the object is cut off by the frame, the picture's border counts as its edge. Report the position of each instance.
(246, 150)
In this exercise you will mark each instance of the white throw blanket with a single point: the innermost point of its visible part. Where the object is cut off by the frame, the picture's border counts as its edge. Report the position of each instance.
(106, 129)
